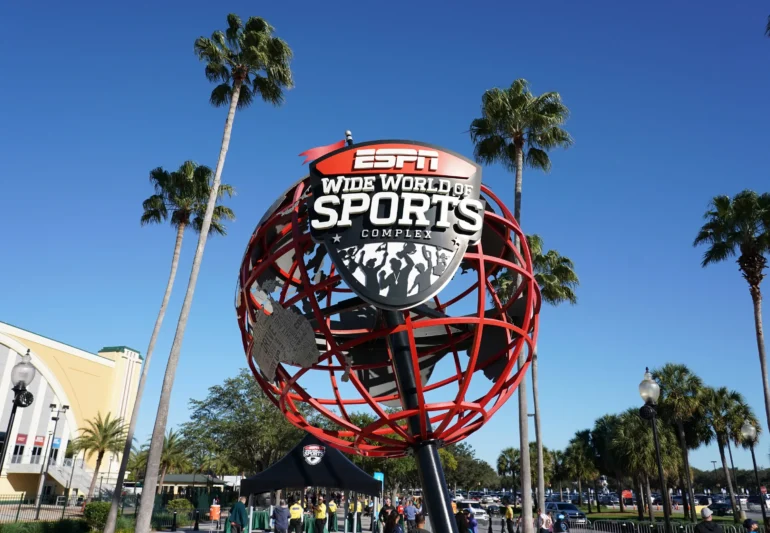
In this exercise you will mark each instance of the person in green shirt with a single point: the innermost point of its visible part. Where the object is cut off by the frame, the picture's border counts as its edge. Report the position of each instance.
(238, 516)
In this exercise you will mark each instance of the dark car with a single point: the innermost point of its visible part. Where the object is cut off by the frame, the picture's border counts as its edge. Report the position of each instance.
(721, 509)
(493, 509)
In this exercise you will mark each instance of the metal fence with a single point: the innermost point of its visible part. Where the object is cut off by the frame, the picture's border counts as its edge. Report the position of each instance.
(49, 508)
(497, 524)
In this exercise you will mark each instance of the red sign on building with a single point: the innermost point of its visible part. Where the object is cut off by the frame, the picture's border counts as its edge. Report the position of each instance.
(21, 438)
(39, 440)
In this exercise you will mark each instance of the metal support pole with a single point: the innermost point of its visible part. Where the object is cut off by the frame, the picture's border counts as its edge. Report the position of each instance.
(434, 488)
(197, 517)
(661, 478)
(8, 433)
(173, 522)
(47, 458)
(759, 489)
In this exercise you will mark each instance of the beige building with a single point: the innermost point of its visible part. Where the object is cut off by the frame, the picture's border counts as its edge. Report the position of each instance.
(88, 383)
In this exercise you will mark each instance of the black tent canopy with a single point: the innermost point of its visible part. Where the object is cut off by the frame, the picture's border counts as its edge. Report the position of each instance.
(312, 464)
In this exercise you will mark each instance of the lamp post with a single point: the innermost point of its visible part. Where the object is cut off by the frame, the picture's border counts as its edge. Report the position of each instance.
(749, 434)
(22, 375)
(649, 390)
(48, 454)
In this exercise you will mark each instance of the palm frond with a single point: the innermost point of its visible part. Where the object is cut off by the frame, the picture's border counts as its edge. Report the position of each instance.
(537, 158)
(220, 95)
(154, 210)
(270, 91)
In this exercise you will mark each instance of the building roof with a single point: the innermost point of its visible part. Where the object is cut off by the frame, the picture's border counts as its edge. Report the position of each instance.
(57, 345)
(179, 479)
(120, 349)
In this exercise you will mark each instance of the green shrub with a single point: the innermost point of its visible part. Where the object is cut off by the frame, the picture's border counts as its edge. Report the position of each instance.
(59, 526)
(164, 519)
(125, 525)
(16, 527)
(95, 515)
(181, 504)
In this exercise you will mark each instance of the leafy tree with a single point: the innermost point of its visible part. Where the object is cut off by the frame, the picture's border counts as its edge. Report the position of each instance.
(508, 465)
(239, 424)
(180, 198)
(100, 436)
(174, 456)
(680, 403)
(741, 226)
(248, 61)
(580, 462)
(517, 128)
(601, 440)
(556, 277)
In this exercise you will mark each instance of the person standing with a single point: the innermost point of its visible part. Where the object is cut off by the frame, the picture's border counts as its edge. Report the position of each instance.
(359, 512)
(543, 522)
(410, 512)
(320, 515)
(473, 524)
(707, 525)
(750, 525)
(332, 515)
(419, 521)
(509, 516)
(238, 516)
(387, 508)
(281, 518)
(296, 513)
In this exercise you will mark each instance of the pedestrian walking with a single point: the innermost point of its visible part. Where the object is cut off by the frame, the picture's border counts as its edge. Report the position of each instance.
(410, 513)
(391, 523)
(473, 524)
(238, 516)
(320, 515)
(332, 515)
(509, 516)
(296, 514)
(419, 521)
(707, 525)
(281, 518)
(542, 522)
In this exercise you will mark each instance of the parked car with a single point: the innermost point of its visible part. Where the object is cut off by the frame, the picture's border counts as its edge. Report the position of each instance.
(493, 509)
(721, 509)
(572, 513)
(475, 507)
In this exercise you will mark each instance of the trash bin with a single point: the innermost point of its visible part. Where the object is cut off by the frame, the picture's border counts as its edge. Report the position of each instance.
(214, 513)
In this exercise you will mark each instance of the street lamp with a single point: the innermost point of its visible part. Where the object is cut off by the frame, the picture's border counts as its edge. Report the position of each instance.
(649, 390)
(22, 375)
(749, 434)
(47, 457)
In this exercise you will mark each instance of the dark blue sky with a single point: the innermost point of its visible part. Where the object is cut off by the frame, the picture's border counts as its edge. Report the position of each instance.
(669, 107)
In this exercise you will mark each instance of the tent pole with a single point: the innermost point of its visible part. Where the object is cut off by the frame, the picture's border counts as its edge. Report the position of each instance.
(251, 516)
(434, 488)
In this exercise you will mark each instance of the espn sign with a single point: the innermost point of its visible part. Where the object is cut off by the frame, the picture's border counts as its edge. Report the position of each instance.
(394, 158)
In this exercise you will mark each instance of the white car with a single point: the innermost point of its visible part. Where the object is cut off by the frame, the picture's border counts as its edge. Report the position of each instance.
(475, 508)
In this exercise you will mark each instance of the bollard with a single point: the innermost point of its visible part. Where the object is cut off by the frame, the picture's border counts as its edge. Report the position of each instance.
(490, 524)
(173, 522)
(197, 515)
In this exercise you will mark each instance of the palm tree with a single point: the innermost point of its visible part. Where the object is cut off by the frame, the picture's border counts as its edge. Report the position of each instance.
(173, 457)
(580, 461)
(723, 408)
(517, 128)
(556, 277)
(742, 226)
(606, 461)
(560, 472)
(180, 198)
(680, 403)
(100, 436)
(508, 464)
(249, 62)
(634, 449)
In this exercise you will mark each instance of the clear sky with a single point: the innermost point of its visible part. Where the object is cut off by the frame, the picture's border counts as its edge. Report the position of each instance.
(669, 107)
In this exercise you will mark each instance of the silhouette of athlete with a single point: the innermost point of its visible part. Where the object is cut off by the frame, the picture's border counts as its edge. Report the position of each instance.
(440, 263)
(422, 280)
(370, 269)
(397, 281)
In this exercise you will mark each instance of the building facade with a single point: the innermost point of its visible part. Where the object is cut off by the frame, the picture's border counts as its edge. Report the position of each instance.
(89, 384)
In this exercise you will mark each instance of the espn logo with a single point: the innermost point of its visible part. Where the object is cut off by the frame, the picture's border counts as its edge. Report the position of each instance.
(395, 158)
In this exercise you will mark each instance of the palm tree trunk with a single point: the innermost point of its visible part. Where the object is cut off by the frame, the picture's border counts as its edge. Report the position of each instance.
(639, 499)
(158, 432)
(588, 491)
(99, 458)
(756, 297)
(580, 492)
(596, 493)
(524, 461)
(687, 476)
(650, 505)
(727, 477)
(162, 479)
(685, 497)
(621, 503)
(112, 517)
(538, 437)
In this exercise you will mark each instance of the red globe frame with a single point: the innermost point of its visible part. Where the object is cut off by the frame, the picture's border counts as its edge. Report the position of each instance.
(388, 436)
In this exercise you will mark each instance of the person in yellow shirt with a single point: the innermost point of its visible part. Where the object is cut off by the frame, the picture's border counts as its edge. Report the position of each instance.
(296, 512)
(509, 516)
(332, 515)
(359, 510)
(320, 515)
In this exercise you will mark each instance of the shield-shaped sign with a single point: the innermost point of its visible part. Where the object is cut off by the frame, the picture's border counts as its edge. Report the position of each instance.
(396, 217)
(313, 453)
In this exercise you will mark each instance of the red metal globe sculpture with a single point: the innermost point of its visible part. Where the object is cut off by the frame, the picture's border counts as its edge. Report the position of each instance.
(320, 353)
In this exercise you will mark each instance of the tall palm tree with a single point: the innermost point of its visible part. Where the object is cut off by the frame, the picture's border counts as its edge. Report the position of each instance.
(100, 436)
(741, 226)
(249, 62)
(517, 128)
(180, 198)
(508, 464)
(721, 407)
(580, 461)
(634, 449)
(173, 457)
(680, 403)
(606, 461)
(560, 473)
(556, 277)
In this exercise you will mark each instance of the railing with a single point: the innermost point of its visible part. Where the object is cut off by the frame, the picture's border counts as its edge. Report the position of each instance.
(621, 526)
(51, 507)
